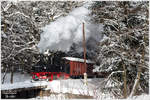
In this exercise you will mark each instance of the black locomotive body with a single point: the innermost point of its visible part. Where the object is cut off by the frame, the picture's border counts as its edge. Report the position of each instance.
(52, 63)
(50, 66)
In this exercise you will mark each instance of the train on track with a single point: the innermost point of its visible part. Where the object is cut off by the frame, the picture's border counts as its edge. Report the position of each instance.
(59, 66)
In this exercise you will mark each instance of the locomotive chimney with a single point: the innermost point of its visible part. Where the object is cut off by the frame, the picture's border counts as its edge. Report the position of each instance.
(84, 47)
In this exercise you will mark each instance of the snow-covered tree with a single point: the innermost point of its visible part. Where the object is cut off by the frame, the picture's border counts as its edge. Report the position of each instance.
(123, 51)
(21, 27)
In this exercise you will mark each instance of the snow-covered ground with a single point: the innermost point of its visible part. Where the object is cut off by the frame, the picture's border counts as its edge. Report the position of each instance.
(74, 86)
(141, 97)
(18, 85)
(62, 97)
(61, 86)
(19, 81)
(17, 77)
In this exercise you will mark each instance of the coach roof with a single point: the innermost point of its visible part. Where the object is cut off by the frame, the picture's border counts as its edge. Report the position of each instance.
(77, 59)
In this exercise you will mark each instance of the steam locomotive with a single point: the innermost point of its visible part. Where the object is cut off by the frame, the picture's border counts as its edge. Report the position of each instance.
(58, 65)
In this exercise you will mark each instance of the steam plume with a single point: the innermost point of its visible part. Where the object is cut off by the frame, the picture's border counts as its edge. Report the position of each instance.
(65, 31)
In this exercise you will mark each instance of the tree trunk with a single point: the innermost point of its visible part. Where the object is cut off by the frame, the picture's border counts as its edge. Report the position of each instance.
(125, 81)
(11, 78)
(4, 76)
(136, 82)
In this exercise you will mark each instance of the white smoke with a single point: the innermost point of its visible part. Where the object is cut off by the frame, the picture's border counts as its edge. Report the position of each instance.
(65, 31)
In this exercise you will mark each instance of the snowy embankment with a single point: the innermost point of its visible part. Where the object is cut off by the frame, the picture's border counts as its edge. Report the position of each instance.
(21, 85)
(61, 86)
(19, 81)
(73, 86)
(17, 77)
(141, 97)
(76, 86)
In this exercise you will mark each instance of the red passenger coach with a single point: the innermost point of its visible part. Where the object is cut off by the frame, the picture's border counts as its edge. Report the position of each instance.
(77, 68)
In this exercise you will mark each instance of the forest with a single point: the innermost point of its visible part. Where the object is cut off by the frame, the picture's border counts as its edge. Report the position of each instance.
(117, 39)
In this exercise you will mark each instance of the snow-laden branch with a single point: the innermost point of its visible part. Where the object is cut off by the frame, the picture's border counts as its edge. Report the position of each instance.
(7, 7)
(18, 13)
(112, 74)
(109, 77)
(22, 14)
(9, 56)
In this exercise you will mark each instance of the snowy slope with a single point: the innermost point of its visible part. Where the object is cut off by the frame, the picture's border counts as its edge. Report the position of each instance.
(18, 85)
(141, 97)
(18, 77)
(74, 86)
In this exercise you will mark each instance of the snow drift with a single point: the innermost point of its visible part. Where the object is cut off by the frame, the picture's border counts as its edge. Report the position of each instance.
(62, 33)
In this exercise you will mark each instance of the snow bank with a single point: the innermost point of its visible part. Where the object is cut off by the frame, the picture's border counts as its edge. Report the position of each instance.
(63, 97)
(17, 77)
(19, 81)
(141, 97)
(19, 85)
(73, 86)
